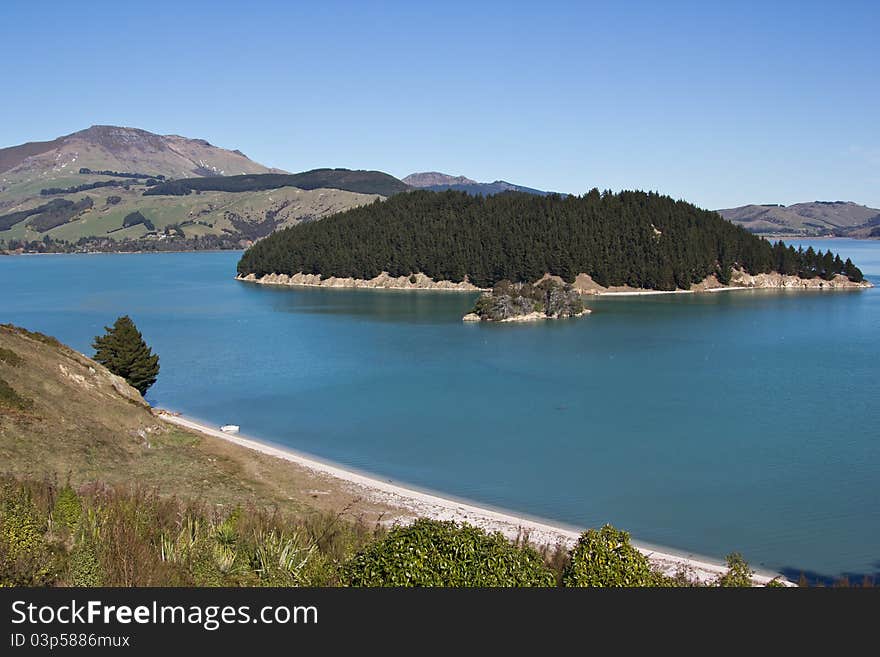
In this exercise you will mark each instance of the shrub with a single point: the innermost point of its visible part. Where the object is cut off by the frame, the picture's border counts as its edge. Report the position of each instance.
(25, 559)
(739, 573)
(605, 558)
(83, 564)
(281, 559)
(436, 553)
(67, 509)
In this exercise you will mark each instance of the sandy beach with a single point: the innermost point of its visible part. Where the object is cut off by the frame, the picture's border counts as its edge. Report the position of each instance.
(413, 503)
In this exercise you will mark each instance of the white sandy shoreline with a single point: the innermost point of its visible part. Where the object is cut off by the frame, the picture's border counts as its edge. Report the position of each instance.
(417, 503)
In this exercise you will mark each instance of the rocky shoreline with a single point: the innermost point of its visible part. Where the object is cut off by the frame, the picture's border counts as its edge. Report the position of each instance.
(382, 281)
(529, 317)
(583, 283)
(775, 280)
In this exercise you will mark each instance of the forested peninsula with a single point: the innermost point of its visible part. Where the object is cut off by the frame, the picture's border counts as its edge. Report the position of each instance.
(631, 239)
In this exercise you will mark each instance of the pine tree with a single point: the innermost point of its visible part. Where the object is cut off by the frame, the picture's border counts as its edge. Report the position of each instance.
(122, 350)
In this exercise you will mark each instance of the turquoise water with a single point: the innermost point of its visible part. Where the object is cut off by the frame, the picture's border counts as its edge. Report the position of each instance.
(707, 423)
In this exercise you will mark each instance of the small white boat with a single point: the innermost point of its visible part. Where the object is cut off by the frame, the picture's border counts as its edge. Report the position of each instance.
(230, 428)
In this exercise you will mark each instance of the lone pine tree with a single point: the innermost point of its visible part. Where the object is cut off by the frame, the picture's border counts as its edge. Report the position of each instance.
(122, 350)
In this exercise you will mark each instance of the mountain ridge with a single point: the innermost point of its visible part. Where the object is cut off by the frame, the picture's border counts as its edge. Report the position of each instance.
(809, 219)
(103, 147)
(436, 181)
(431, 178)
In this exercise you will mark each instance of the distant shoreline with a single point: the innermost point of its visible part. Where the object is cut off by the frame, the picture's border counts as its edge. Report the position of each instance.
(415, 503)
(787, 238)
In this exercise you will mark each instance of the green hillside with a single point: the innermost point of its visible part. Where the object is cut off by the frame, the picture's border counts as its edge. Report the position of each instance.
(74, 193)
(214, 219)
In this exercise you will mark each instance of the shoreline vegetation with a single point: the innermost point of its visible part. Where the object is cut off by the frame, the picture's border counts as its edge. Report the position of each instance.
(412, 504)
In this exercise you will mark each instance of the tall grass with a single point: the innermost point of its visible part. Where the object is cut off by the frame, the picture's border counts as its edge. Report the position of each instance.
(129, 536)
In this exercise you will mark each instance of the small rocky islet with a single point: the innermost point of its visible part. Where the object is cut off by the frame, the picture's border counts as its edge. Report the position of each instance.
(522, 302)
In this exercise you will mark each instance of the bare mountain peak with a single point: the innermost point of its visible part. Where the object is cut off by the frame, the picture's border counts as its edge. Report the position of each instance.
(116, 138)
(119, 148)
(431, 178)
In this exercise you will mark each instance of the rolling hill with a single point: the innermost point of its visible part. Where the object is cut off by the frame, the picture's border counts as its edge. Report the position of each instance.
(64, 415)
(839, 218)
(113, 188)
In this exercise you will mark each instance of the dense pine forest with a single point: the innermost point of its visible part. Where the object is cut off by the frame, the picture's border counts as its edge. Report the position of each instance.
(640, 239)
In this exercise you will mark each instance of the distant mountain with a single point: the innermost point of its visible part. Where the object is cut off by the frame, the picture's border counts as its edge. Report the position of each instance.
(489, 189)
(841, 218)
(434, 178)
(106, 147)
(87, 190)
(438, 182)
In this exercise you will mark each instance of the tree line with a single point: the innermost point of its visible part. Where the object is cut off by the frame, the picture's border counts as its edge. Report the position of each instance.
(120, 174)
(363, 182)
(640, 239)
(49, 215)
(52, 191)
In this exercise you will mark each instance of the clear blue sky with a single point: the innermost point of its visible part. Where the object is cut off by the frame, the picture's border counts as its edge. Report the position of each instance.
(722, 105)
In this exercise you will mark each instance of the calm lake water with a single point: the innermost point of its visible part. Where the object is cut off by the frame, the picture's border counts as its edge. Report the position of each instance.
(707, 423)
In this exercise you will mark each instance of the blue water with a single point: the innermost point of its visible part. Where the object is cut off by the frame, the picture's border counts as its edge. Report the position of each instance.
(707, 423)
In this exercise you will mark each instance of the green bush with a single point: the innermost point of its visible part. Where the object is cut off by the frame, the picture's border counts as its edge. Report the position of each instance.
(435, 553)
(67, 509)
(605, 558)
(25, 558)
(739, 573)
(84, 566)
(20, 524)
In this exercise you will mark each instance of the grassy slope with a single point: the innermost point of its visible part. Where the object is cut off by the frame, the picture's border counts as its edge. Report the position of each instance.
(87, 425)
(291, 204)
(803, 218)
